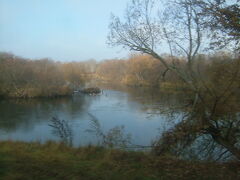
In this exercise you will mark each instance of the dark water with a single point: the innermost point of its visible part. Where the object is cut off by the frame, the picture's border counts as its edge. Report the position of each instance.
(137, 110)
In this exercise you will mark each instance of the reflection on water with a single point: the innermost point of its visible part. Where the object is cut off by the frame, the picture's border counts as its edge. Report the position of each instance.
(28, 120)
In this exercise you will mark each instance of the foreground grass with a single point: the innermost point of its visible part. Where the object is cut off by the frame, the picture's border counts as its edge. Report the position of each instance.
(56, 161)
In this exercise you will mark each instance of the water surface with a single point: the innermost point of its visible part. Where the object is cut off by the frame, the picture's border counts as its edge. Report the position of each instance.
(137, 110)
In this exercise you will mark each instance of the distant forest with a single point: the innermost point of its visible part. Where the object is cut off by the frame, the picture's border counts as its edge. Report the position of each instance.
(27, 78)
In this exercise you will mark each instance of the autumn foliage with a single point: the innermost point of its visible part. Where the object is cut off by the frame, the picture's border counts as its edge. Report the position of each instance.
(24, 78)
(137, 70)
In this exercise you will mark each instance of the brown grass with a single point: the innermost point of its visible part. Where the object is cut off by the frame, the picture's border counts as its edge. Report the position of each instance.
(25, 161)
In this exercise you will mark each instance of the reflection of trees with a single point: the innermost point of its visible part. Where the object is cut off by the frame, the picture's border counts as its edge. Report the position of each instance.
(148, 96)
(156, 102)
(152, 101)
(154, 95)
(24, 113)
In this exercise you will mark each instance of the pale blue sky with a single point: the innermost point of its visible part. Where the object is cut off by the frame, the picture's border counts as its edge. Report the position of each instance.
(63, 30)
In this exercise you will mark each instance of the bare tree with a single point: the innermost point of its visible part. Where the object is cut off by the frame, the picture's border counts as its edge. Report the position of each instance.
(144, 32)
(148, 28)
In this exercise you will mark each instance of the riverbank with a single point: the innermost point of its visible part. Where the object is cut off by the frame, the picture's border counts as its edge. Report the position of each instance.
(20, 160)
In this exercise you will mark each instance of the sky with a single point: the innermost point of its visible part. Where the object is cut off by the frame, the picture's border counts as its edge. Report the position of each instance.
(62, 30)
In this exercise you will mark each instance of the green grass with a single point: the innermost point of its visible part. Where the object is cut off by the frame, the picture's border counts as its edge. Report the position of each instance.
(31, 161)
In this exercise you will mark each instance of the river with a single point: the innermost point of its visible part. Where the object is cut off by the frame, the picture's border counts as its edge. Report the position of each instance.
(140, 112)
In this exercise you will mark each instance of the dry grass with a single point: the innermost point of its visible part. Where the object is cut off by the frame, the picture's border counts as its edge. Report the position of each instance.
(25, 161)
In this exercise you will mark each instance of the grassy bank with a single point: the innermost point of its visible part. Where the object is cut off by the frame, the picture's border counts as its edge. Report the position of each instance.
(56, 161)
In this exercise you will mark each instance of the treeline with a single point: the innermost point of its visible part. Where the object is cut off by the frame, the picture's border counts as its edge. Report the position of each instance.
(24, 78)
(143, 70)
(137, 70)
